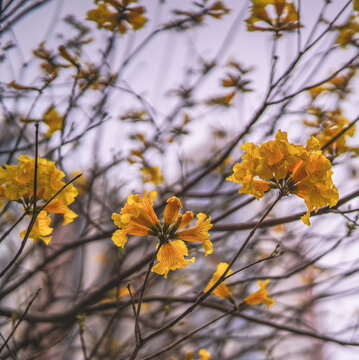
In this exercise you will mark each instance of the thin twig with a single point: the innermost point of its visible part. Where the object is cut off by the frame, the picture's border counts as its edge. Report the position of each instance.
(202, 297)
(138, 337)
(185, 337)
(7, 347)
(7, 232)
(20, 320)
(34, 212)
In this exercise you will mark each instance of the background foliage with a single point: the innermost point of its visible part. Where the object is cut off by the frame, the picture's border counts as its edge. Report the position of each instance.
(160, 95)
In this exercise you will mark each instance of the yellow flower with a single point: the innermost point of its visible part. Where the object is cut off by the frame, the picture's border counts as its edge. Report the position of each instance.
(347, 32)
(17, 184)
(172, 210)
(316, 91)
(221, 100)
(152, 174)
(41, 229)
(222, 289)
(171, 257)
(53, 120)
(331, 124)
(293, 169)
(117, 294)
(217, 10)
(116, 15)
(204, 354)
(276, 156)
(338, 85)
(187, 218)
(285, 19)
(19, 180)
(57, 206)
(199, 233)
(137, 217)
(313, 183)
(260, 296)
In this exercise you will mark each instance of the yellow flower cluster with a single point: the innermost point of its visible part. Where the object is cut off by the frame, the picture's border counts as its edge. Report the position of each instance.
(285, 17)
(17, 184)
(332, 123)
(138, 218)
(152, 174)
(117, 15)
(338, 85)
(348, 32)
(293, 169)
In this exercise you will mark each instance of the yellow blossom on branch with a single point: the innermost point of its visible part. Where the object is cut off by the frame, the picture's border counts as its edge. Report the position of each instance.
(89, 76)
(41, 229)
(117, 15)
(260, 296)
(222, 100)
(138, 218)
(273, 15)
(338, 85)
(222, 289)
(331, 123)
(293, 169)
(348, 32)
(217, 10)
(204, 354)
(17, 184)
(171, 257)
(53, 120)
(152, 174)
(198, 233)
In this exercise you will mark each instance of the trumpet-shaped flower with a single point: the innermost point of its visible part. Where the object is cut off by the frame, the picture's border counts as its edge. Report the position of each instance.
(199, 233)
(138, 217)
(171, 257)
(53, 120)
(222, 289)
(41, 229)
(260, 296)
(293, 169)
(172, 210)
